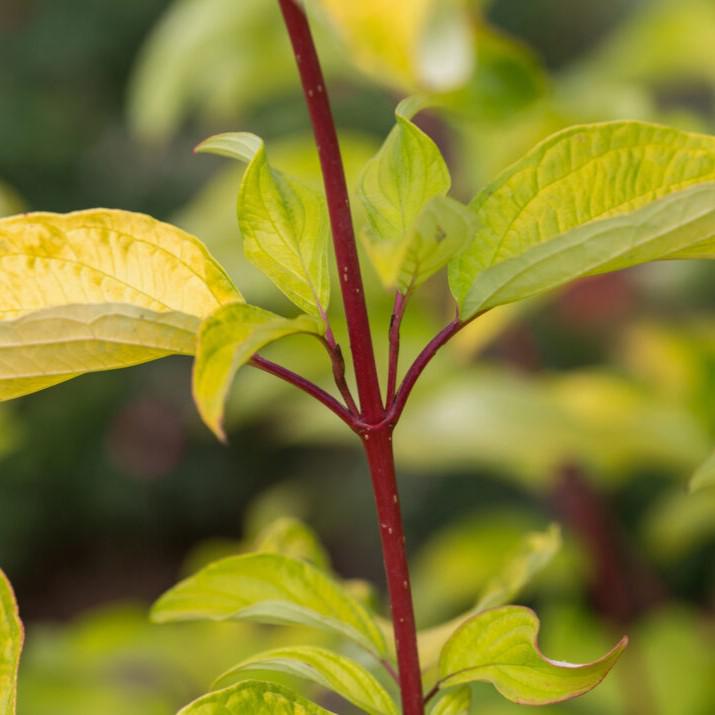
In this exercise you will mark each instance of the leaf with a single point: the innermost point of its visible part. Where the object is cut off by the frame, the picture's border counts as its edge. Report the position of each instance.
(47, 347)
(444, 228)
(499, 646)
(681, 225)
(395, 186)
(228, 339)
(579, 175)
(255, 698)
(519, 566)
(11, 639)
(704, 476)
(271, 589)
(291, 537)
(454, 702)
(284, 223)
(106, 256)
(324, 667)
(409, 44)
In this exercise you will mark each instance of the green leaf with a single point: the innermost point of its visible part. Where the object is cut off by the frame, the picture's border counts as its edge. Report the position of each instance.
(681, 225)
(270, 588)
(47, 347)
(442, 230)
(324, 667)
(11, 639)
(500, 647)
(395, 187)
(579, 175)
(704, 475)
(255, 698)
(520, 565)
(454, 702)
(291, 537)
(284, 223)
(228, 339)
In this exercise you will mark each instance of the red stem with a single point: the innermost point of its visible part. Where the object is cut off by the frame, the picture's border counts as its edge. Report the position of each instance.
(378, 447)
(336, 192)
(377, 443)
(306, 385)
(398, 313)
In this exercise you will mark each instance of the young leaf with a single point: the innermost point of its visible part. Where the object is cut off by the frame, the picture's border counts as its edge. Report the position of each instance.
(291, 537)
(579, 175)
(396, 185)
(704, 475)
(283, 222)
(533, 554)
(500, 647)
(228, 339)
(11, 639)
(454, 702)
(271, 589)
(106, 256)
(681, 225)
(255, 698)
(441, 231)
(49, 346)
(324, 667)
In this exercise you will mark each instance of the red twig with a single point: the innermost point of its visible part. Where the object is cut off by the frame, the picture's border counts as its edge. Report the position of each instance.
(398, 313)
(306, 386)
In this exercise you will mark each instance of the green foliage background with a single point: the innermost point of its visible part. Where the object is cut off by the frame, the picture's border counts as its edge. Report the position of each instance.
(591, 407)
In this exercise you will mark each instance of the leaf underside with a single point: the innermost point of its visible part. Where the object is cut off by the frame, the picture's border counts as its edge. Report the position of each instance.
(270, 588)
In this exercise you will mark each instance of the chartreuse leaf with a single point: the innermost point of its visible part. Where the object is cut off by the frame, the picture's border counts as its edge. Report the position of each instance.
(395, 186)
(581, 175)
(453, 702)
(284, 223)
(291, 537)
(270, 588)
(704, 475)
(532, 555)
(499, 646)
(406, 43)
(681, 225)
(228, 339)
(11, 638)
(324, 667)
(98, 290)
(255, 698)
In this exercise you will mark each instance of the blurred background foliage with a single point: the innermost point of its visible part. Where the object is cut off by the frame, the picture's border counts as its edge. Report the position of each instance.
(591, 408)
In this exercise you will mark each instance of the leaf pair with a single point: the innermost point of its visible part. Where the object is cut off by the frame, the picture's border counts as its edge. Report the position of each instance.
(413, 229)
(274, 588)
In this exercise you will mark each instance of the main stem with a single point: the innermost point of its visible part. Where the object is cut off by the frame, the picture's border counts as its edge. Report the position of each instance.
(377, 442)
